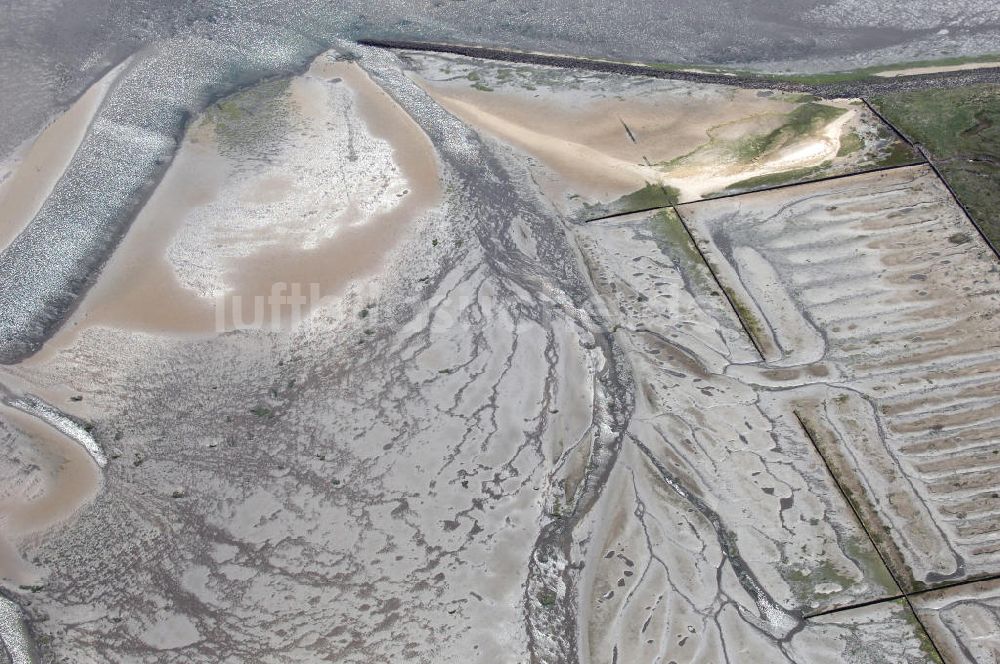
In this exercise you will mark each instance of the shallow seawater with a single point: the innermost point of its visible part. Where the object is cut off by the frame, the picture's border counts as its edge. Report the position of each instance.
(52, 66)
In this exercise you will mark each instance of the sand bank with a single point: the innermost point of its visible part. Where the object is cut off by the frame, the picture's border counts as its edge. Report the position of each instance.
(299, 236)
(27, 180)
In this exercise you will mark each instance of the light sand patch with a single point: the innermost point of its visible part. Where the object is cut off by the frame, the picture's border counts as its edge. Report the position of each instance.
(703, 180)
(665, 122)
(586, 166)
(916, 71)
(27, 181)
(271, 190)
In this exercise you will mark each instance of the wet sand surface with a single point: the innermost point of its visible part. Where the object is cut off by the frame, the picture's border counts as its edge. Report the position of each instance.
(878, 278)
(30, 178)
(140, 289)
(64, 480)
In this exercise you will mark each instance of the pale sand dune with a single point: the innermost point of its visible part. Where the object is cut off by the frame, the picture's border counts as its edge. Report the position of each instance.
(585, 166)
(583, 138)
(916, 71)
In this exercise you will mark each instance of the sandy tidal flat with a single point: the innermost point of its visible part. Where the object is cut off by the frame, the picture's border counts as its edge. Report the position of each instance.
(611, 144)
(723, 431)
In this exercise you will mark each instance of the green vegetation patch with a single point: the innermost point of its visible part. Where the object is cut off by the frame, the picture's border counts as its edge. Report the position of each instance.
(804, 120)
(850, 144)
(650, 197)
(960, 128)
(547, 598)
(804, 580)
(755, 328)
(671, 235)
(926, 645)
(776, 179)
(898, 154)
(947, 122)
(253, 121)
(831, 449)
(864, 554)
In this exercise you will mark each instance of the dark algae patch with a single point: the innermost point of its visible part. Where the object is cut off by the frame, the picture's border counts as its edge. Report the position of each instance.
(960, 128)
(775, 179)
(253, 120)
(650, 197)
(850, 144)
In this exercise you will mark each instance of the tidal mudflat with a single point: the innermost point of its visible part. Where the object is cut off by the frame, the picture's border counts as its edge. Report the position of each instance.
(960, 130)
(879, 305)
(964, 620)
(744, 415)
